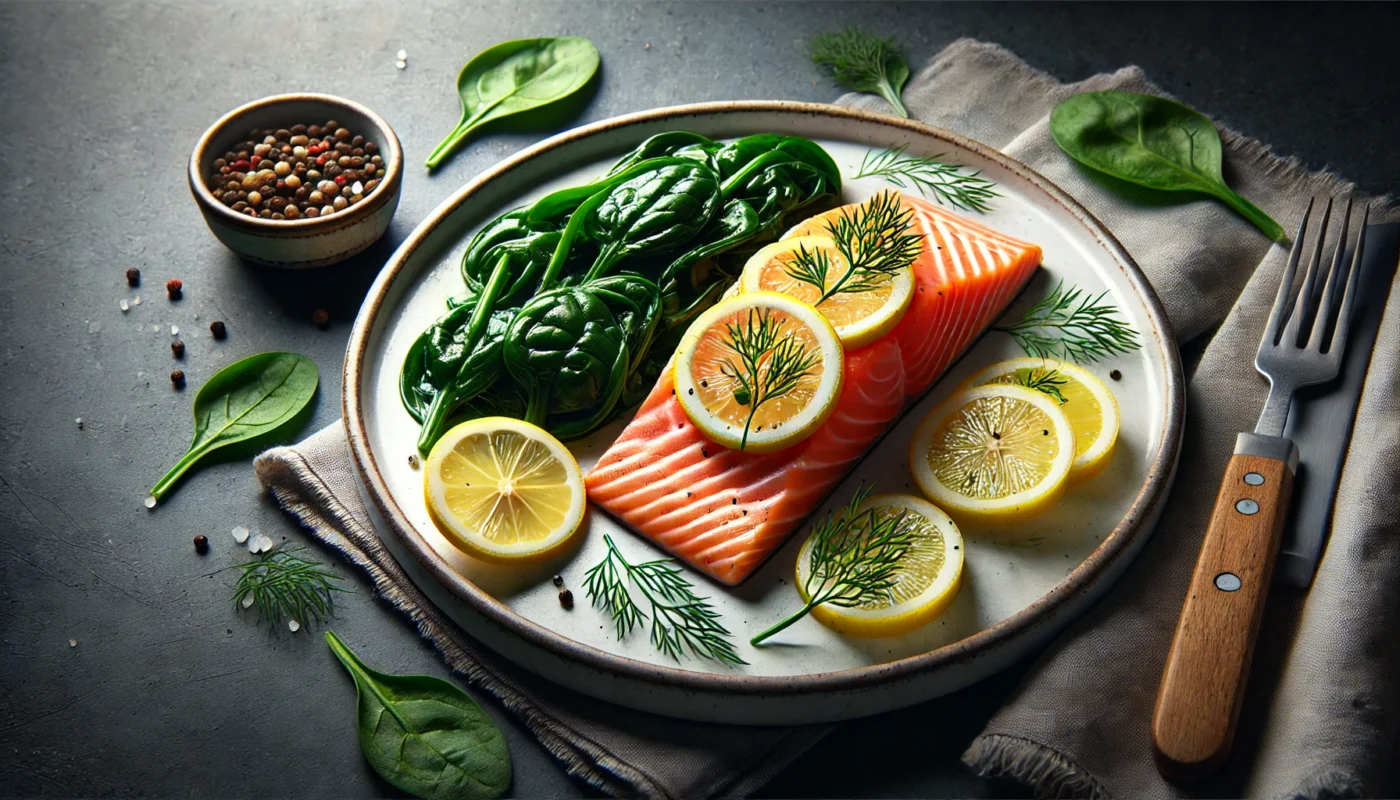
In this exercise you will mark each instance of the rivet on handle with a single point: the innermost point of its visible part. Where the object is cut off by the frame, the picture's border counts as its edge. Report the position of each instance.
(1247, 506)
(1228, 582)
(1254, 479)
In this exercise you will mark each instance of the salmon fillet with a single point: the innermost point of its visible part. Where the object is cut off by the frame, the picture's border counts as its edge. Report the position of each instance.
(725, 511)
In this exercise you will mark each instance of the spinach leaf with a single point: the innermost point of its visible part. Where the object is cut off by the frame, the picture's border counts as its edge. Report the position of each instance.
(246, 402)
(1152, 142)
(570, 355)
(635, 303)
(424, 735)
(678, 143)
(653, 211)
(517, 76)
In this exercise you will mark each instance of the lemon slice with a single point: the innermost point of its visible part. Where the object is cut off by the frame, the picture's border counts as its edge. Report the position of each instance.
(1088, 404)
(759, 372)
(503, 490)
(926, 583)
(859, 317)
(819, 224)
(994, 453)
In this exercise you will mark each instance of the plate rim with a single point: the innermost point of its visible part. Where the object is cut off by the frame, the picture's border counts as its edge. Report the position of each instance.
(1116, 544)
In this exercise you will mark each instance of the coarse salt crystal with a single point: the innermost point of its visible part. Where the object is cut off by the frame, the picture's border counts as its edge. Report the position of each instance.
(79, 420)
(259, 544)
(240, 534)
(402, 55)
(174, 330)
(401, 64)
(136, 301)
(150, 502)
(124, 306)
(72, 642)
(293, 625)
(247, 600)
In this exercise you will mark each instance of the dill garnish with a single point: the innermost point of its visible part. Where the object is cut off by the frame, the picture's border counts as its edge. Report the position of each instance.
(946, 183)
(873, 239)
(863, 62)
(771, 362)
(1047, 382)
(680, 619)
(1072, 326)
(283, 584)
(855, 555)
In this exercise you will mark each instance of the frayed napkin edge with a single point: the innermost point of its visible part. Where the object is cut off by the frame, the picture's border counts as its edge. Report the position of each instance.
(1047, 771)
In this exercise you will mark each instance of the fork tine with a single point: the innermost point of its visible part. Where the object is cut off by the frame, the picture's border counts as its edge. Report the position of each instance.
(1323, 315)
(1292, 332)
(1271, 331)
(1339, 339)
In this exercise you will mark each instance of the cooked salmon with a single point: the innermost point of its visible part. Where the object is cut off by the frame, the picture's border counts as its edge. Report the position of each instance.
(725, 511)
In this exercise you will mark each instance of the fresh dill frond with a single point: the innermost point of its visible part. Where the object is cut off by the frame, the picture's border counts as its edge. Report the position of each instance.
(770, 362)
(680, 619)
(282, 584)
(855, 555)
(1073, 326)
(950, 184)
(863, 62)
(1045, 381)
(873, 239)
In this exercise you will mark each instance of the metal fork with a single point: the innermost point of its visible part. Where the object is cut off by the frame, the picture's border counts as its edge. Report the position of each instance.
(1203, 683)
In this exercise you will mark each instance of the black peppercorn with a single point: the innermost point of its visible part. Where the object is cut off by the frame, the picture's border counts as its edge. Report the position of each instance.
(174, 288)
(218, 329)
(177, 379)
(133, 277)
(177, 348)
(558, 580)
(321, 318)
(201, 544)
(566, 598)
(1116, 375)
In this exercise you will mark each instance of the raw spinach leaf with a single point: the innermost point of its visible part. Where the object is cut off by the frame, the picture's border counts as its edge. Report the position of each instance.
(244, 402)
(424, 735)
(1151, 142)
(517, 76)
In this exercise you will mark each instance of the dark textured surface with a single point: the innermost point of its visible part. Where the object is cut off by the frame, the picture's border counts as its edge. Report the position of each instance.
(167, 691)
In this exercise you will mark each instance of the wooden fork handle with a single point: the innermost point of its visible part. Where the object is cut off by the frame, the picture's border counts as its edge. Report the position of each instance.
(1204, 679)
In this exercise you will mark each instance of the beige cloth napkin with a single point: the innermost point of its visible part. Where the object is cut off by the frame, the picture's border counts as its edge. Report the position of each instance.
(1326, 704)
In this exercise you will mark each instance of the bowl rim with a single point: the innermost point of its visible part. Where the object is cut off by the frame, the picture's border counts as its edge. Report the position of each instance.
(294, 228)
(1137, 521)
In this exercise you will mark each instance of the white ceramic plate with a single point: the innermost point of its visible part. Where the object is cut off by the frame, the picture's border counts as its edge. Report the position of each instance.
(1020, 585)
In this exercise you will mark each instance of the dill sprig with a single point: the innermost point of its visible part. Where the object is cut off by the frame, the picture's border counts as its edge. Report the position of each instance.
(855, 555)
(680, 619)
(1074, 326)
(770, 363)
(873, 239)
(863, 62)
(1041, 380)
(946, 183)
(283, 584)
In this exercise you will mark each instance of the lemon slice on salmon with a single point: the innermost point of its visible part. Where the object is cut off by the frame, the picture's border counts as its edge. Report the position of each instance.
(994, 453)
(927, 580)
(759, 372)
(504, 491)
(1088, 404)
(861, 307)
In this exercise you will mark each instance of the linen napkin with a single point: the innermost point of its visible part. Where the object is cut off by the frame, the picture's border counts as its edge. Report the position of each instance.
(1321, 716)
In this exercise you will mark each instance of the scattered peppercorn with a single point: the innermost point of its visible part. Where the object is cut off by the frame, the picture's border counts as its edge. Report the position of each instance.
(1116, 375)
(201, 544)
(218, 329)
(174, 288)
(261, 177)
(413, 461)
(321, 317)
(177, 349)
(558, 580)
(177, 378)
(566, 598)
(133, 277)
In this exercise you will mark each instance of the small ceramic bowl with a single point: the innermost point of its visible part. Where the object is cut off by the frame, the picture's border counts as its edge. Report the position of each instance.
(308, 242)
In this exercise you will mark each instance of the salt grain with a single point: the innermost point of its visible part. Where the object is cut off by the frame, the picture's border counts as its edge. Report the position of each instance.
(402, 55)
(259, 544)
(124, 306)
(293, 625)
(79, 420)
(401, 64)
(150, 502)
(248, 600)
(72, 642)
(136, 301)
(240, 534)
(174, 330)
